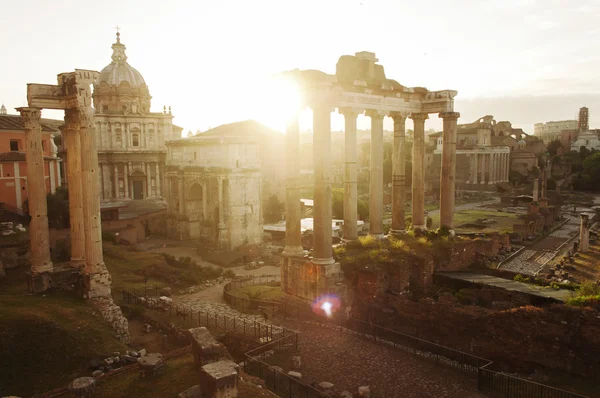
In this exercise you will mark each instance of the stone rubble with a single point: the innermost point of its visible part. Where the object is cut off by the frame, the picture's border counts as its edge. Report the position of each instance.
(112, 314)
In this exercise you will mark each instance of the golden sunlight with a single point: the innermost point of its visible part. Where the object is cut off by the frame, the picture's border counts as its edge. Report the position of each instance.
(276, 103)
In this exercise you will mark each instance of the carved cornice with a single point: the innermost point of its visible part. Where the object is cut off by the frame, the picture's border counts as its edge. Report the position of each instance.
(31, 117)
(399, 116)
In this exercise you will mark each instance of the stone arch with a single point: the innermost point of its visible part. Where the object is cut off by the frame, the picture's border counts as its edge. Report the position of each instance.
(196, 209)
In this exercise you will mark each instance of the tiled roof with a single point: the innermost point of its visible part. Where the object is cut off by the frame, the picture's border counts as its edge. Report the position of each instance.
(15, 156)
(15, 122)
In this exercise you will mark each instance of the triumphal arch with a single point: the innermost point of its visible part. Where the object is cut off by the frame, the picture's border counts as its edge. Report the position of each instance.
(360, 86)
(73, 95)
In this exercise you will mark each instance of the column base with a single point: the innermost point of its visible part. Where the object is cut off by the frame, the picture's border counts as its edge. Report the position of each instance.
(293, 251)
(397, 232)
(420, 227)
(97, 284)
(63, 278)
(323, 261)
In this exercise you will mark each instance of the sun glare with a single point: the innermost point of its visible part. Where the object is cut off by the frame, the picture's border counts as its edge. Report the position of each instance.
(277, 103)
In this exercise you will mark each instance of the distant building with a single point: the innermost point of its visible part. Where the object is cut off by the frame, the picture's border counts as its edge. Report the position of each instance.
(589, 139)
(13, 166)
(213, 189)
(551, 131)
(130, 138)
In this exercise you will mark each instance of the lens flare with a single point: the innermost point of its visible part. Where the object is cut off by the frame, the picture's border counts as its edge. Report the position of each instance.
(327, 305)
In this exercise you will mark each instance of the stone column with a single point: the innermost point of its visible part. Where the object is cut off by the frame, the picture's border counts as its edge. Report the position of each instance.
(483, 167)
(95, 270)
(398, 174)
(322, 239)
(126, 169)
(222, 222)
(418, 171)
(182, 200)
(72, 143)
(376, 172)
(448, 169)
(584, 233)
(507, 173)
(148, 180)
(475, 169)
(536, 190)
(157, 181)
(36, 190)
(116, 180)
(350, 174)
(293, 209)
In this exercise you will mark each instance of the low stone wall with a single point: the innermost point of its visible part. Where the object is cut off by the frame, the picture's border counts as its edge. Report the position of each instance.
(112, 314)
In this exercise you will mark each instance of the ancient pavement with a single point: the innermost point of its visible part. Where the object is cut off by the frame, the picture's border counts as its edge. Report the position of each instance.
(349, 361)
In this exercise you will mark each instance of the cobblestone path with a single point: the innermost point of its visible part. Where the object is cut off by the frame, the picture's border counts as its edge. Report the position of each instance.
(349, 361)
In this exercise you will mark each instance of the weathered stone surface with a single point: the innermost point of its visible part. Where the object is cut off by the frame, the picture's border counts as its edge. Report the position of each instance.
(220, 379)
(296, 362)
(204, 346)
(142, 352)
(112, 314)
(364, 392)
(151, 364)
(326, 386)
(192, 392)
(295, 375)
(346, 394)
(97, 373)
(83, 387)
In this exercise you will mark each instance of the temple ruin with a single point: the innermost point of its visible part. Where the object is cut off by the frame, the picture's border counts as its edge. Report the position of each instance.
(86, 268)
(360, 86)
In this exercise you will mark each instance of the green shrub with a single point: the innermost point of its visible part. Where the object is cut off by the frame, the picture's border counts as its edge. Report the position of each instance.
(521, 278)
(368, 242)
(589, 288)
(585, 301)
(228, 274)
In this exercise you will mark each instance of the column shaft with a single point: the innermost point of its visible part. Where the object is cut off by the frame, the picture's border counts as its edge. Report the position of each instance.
(448, 169)
(350, 175)
(157, 180)
(376, 172)
(126, 170)
(72, 142)
(418, 171)
(293, 234)
(94, 260)
(116, 180)
(398, 173)
(182, 200)
(322, 239)
(36, 190)
(148, 180)
(475, 179)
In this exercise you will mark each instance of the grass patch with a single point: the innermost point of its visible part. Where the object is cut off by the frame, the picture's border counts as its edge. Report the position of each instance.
(48, 340)
(503, 221)
(130, 268)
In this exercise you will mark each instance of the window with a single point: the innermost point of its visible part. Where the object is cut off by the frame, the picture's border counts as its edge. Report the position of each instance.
(14, 145)
(136, 139)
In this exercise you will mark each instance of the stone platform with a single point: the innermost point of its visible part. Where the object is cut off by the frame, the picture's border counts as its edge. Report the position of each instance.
(66, 276)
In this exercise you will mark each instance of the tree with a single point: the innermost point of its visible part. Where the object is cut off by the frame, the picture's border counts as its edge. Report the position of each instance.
(273, 209)
(554, 147)
(58, 208)
(589, 178)
(337, 203)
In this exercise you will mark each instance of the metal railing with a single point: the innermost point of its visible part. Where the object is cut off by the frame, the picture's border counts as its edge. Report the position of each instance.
(247, 304)
(276, 339)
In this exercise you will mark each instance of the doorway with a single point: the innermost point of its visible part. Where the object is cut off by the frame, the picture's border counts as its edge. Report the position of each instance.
(138, 190)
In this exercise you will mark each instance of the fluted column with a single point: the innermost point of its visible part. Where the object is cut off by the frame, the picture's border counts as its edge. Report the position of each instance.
(448, 169)
(483, 171)
(181, 197)
(507, 173)
(492, 168)
(418, 171)
(293, 209)
(72, 143)
(475, 178)
(322, 239)
(398, 173)
(94, 260)
(376, 174)
(36, 189)
(350, 174)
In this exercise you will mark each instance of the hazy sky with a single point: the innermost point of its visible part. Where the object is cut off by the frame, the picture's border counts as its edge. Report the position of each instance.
(208, 60)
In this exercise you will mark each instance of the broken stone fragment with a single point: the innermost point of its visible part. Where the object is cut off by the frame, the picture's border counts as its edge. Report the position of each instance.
(364, 392)
(97, 373)
(142, 352)
(295, 375)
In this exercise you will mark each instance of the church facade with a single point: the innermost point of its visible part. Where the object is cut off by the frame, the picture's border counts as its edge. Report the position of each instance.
(130, 138)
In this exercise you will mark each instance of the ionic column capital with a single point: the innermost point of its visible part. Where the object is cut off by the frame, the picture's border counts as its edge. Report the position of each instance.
(350, 112)
(419, 116)
(31, 117)
(399, 116)
(449, 115)
(375, 114)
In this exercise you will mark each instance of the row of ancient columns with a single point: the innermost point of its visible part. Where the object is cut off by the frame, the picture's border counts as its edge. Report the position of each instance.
(127, 170)
(82, 175)
(322, 240)
(489, 168)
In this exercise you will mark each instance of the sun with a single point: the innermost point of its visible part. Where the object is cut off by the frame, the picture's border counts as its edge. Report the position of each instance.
(277, 102)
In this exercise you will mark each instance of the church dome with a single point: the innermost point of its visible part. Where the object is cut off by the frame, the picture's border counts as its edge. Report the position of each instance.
(120, 88)
(119, 70)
